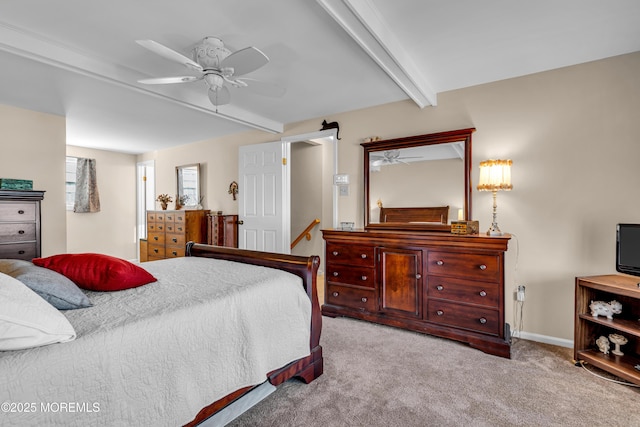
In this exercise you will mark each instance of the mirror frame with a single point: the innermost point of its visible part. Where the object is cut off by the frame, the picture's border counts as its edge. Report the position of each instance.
(415, 141)
(180, 190)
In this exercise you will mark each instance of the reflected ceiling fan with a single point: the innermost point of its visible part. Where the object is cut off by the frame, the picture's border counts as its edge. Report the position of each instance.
(218, 67)
(390, 157)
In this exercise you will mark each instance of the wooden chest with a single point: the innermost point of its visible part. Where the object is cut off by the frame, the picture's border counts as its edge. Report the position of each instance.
(169, 231)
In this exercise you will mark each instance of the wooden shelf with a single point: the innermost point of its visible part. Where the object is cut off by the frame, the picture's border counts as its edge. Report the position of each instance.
(631, 327)
(588, 328)
(621, 366)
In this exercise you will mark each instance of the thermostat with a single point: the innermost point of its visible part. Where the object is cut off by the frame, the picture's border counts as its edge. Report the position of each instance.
(341, 179)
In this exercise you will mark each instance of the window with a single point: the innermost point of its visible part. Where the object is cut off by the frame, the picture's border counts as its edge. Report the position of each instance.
(70, 181)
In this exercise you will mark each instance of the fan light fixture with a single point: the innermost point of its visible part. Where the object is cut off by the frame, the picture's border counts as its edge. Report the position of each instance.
(495, 175)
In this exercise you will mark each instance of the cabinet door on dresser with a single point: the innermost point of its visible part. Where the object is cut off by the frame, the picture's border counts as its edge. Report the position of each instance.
(350, 277)
(465, 290)
(400, 281)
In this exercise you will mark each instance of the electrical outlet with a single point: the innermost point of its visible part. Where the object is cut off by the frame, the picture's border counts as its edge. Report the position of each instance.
(520, 293)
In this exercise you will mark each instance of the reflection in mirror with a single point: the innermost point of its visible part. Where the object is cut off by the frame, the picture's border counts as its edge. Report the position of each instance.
(398, 179)
(419, 182)
(188, 179)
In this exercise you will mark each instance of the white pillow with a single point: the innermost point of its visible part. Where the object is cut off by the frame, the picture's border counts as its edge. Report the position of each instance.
(27, 320)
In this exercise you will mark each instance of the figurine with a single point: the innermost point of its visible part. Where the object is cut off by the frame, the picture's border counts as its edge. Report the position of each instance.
(603, 344)
(601, 308)
(618, 340)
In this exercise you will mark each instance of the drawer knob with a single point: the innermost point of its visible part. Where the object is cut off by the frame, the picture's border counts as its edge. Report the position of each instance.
(483, 320)
(364, 299)
(155, 250)
(20, 231)
(440, 262)
(418, 276)
(335, 294)
(440, 287)
(483, 294)
(363, 256)
(155, 237)
(336, 274)
(364, 278)
(174, 253)
(439, 312)
(20, 211)
(21, 252)
(335, 253)
(483, 267)
(174, 240)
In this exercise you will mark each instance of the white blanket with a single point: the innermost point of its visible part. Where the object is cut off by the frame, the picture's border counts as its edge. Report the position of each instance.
(157, 354)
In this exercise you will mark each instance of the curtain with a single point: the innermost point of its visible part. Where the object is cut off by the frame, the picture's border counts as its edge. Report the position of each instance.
(87, 196)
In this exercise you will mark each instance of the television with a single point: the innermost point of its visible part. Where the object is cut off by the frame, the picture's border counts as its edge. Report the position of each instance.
(628, 249)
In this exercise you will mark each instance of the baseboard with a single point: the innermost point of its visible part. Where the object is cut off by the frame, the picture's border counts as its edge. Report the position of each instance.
(560, 342)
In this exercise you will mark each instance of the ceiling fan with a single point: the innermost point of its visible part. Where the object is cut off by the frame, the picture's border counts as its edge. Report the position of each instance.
(390, 157)
(217, 66)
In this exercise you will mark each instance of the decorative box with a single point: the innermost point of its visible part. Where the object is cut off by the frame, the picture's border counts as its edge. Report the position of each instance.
(16, 184)
(465, 227)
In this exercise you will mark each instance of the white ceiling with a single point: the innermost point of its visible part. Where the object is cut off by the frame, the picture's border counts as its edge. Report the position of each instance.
(79, 58)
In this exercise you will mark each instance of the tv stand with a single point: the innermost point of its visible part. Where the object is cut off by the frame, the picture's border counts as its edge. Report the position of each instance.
(626, 290)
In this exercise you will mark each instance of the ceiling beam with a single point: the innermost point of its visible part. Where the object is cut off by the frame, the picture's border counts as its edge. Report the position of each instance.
(363, 22)
(28, 45)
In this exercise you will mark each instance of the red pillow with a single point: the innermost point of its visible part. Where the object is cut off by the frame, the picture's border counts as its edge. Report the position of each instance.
(97, 272)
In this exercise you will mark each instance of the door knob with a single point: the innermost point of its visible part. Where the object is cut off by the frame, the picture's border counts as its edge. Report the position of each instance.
(240, 222)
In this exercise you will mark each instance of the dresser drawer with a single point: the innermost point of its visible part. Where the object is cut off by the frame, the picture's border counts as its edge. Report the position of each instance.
(345, 296)
(153, 227)
(464, 316)
(155, 238)
(359, 276)
(17, 211)
(174, 252)
(17, 232)
(461, 290)
(350, 255)
(26, 251)
(485, 267)
(169, 217)
(175, 240)
(155, 251)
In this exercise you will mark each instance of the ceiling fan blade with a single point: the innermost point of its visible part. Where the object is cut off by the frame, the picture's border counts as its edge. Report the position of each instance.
(264, 88)
(220, 96)
(245, 61)
(169, 80)
(169, 54)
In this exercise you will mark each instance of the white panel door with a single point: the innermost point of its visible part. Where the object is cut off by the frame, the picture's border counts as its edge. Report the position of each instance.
(263, 202)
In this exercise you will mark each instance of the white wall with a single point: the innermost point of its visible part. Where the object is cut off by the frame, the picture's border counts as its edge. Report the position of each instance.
(111, 231)
(32, 146)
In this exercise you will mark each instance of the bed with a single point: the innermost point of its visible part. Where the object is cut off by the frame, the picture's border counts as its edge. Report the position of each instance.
(438, 214)
(216, 324)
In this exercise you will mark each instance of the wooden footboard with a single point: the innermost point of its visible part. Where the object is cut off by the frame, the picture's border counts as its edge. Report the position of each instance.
(308, 368)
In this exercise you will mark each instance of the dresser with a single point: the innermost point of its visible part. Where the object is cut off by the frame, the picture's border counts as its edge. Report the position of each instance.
(438, 283)
(20, 224)
(169, 231)
(222, 230)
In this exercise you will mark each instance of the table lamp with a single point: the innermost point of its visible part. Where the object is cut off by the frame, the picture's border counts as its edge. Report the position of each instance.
(495, 175)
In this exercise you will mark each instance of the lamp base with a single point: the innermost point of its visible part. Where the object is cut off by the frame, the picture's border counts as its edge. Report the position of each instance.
(494, 230)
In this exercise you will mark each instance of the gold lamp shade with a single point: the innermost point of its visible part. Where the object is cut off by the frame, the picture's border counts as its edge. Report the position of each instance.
(495, 175)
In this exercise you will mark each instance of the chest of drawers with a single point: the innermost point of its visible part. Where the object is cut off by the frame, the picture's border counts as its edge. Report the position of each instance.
(442, 284)
(169, 231)
(20, 224)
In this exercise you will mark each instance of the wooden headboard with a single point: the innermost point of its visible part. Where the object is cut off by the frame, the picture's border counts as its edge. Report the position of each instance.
(438, 214)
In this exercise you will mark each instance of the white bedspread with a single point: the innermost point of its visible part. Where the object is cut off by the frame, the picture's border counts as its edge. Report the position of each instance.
(155, 355)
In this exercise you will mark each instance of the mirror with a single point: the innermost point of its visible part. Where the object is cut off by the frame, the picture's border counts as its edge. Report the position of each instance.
(419, 182)
(188, 179)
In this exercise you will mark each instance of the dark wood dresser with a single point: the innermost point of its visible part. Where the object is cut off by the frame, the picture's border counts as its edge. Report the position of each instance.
(222, 230)
(20, 224)
(169, 231)
(438, 283)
